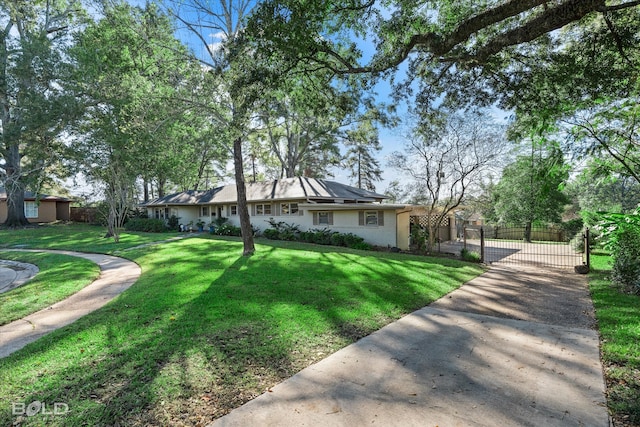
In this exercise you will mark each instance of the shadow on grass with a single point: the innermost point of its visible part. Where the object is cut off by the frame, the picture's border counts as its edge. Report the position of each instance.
(205, 330)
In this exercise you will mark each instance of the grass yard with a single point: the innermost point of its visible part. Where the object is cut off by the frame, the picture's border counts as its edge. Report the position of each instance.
(205, 330)
(78, 237)
(619, 323)
(59, 277)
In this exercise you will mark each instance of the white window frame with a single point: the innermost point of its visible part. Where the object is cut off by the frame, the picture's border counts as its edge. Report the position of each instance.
(371, 218)
(289, 209)
(204, 211)
(323, 218)
(263, 209)
(31, 209)
(233, 210)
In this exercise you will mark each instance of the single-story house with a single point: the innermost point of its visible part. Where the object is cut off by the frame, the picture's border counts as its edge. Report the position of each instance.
(39, 207)
(306, 202)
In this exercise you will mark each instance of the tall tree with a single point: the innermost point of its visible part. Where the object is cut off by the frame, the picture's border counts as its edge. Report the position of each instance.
(302, 123)
(134, 73)
(216, 24)
(446, 159)
(530, 190)
(34, 106)
(362, 142)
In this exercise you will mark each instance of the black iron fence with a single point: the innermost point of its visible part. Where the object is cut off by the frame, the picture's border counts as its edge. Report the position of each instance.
(536, 246)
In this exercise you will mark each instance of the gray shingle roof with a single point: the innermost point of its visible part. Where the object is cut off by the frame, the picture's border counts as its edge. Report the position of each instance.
(283, 189)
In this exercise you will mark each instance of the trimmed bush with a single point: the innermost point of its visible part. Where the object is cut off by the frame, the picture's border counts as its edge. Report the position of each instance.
(227, 229)
(626, 260)
(470, 256)
(151, 225)
(320, 236)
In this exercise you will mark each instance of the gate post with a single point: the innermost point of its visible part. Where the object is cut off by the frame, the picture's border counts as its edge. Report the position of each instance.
(587, 248)
(482, 244)
(464, 237)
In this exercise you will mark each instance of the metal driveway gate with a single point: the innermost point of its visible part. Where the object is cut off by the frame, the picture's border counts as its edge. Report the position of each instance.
(546, 247)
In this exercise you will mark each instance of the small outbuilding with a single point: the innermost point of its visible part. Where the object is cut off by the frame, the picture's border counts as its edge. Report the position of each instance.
(39, 207)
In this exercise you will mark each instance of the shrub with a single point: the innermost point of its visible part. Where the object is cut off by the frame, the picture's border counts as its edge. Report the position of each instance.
(271, 233)
(337, 239)
(621, 233)
(324, 236)
(227, 229)
(362, 246)
(173, 223)
(471, 256)
(282, 231)
(626, 260)
(152, 225)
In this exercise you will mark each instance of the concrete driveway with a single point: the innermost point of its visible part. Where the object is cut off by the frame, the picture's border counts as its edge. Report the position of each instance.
(513, 347)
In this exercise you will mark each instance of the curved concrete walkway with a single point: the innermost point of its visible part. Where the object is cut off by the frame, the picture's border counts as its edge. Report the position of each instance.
(116, 275)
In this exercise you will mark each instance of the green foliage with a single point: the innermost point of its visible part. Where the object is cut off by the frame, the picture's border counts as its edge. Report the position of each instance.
(470, 256)
(173, 223)
(621, 234)
(324, 236)
(530, 189)
(151, 225)
(618, 316)
(227, 229)
(282, 231)
(419, 238)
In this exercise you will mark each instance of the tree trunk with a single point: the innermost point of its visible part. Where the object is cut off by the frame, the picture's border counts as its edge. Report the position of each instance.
(243, 210)
(145, 186)
(15, 189)
(527, 232)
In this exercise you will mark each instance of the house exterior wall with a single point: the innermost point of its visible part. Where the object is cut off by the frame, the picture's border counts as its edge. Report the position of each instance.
(47, 211)
(344, 221)
(63, 211)
(393, 232)
(404, 232)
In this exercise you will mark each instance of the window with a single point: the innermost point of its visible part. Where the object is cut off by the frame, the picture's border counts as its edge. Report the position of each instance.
(174, 212)
(204, 211)
(371, 218)
(233, 209)
(289, 209)
(161, 213)
(31, 209)
(263, 209)
(323, 218)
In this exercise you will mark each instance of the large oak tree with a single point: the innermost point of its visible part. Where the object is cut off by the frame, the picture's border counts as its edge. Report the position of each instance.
(35, 108)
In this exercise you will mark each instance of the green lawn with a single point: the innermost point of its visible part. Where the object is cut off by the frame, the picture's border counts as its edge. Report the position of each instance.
(59, 277)
(79, 237)
(205, 329)
(619, 323)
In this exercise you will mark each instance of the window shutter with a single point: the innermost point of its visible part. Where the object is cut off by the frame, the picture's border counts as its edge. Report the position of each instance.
(253, 210)
(361, 218)
(330, 215)
(381, 218)
(277, 212)
(315, 218)
(300, 212)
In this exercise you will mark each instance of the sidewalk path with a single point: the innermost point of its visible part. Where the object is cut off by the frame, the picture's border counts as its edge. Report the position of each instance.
(510, 348)
(116, 275)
